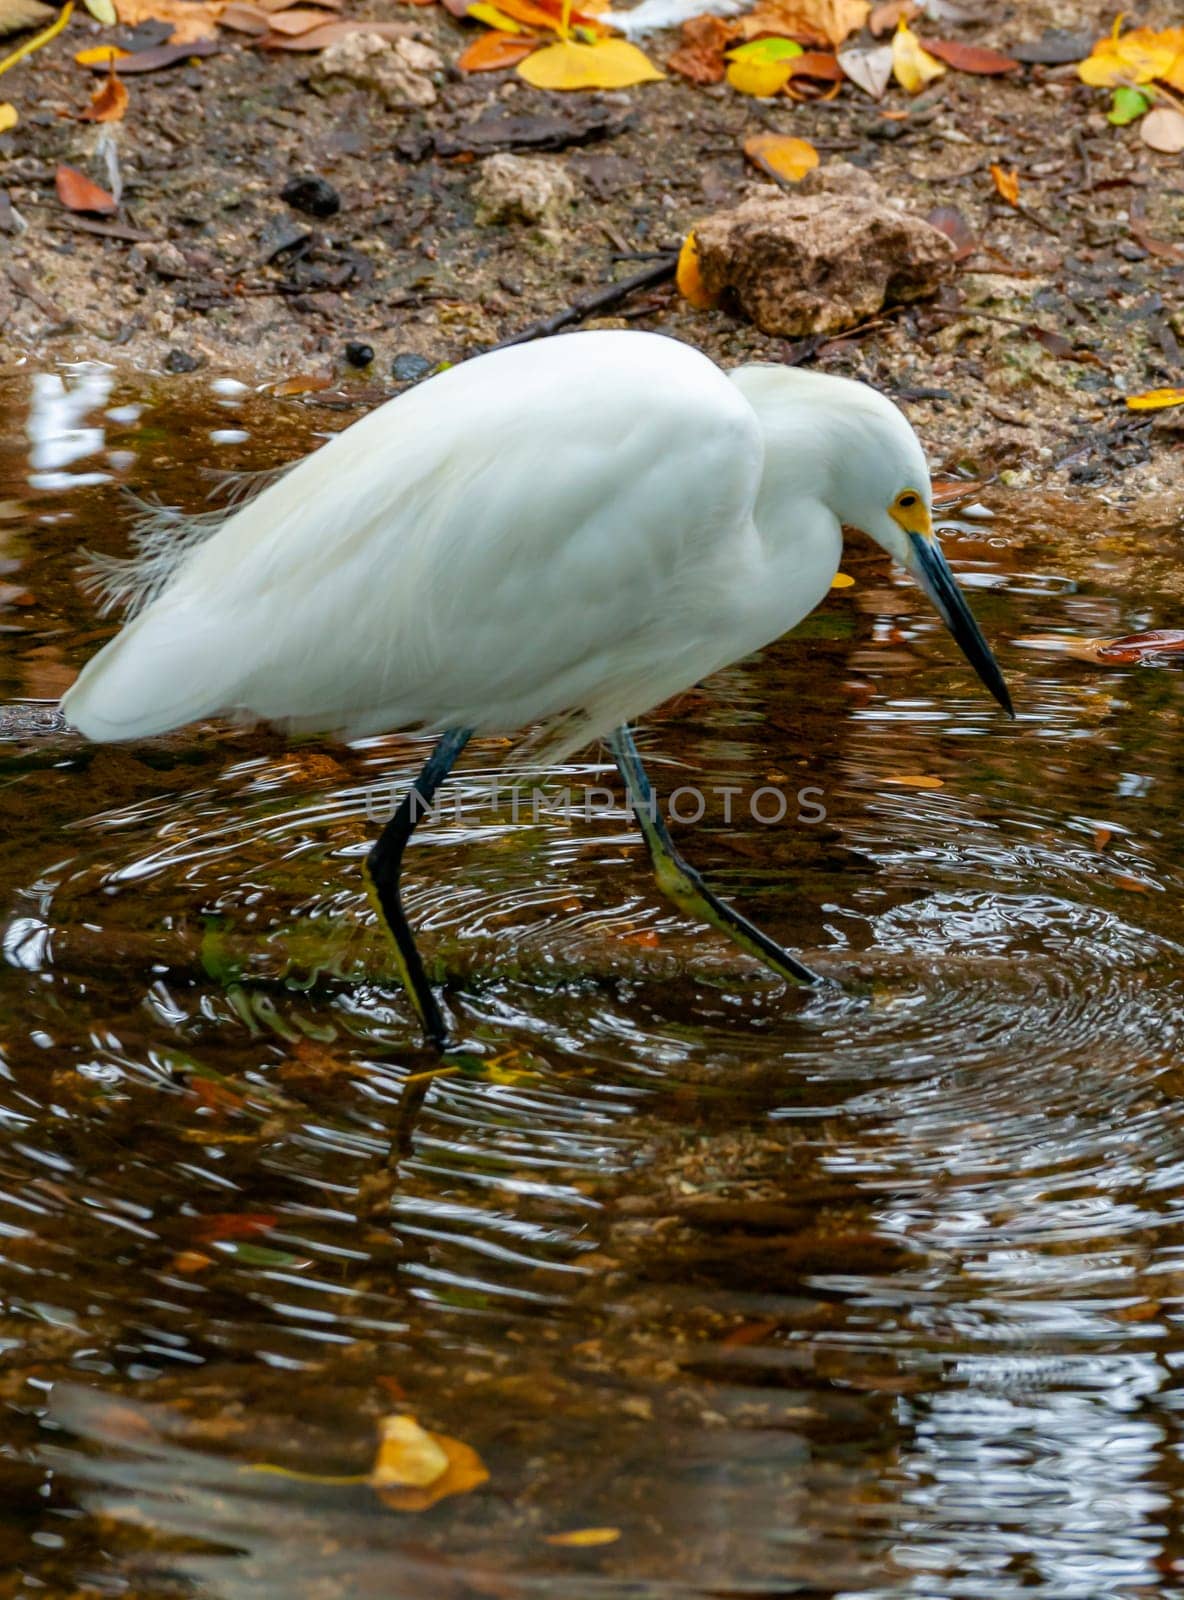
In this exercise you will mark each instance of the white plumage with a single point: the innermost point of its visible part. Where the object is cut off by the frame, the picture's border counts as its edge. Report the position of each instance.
(563, 533)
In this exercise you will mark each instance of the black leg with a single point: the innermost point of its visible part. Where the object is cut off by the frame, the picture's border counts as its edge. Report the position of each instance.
(383, 867)
(682, 884)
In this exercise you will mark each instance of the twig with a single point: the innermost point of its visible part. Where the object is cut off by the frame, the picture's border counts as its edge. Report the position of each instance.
(609, 294)
(1087, 176)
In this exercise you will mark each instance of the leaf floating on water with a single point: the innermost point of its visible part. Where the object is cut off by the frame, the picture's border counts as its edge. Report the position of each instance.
(912, 66)
(1162, 130)
(1007, 184)
(1155, 399)
(779, 154)
(415, 1468)
(583, 1538)
(1132, 649)
(77, 193)
(842, 580)
(918, 781)
(607, 64)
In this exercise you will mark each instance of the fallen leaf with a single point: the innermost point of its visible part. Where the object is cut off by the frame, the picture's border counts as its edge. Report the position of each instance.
(1162, 130)
(9, 116)
(163, 55)
(912, 66)
(245, 18)
(321, 38)
(1155, 399)
(102, 11)
(493, 51)
(17, 15)
(885, 17)
(1007, 184)
(869, 70)
(190, 1262)
(101, 55)
(1127, 105)
(297, 20)
(78, 193)
(109, 101)
(688, 276)
(607, 64)
(760, 79)
(971, 57)
(494, 17)
(1139, 56)
(219, 1225)
(820, 64)
(842, 580)
(956, 229)
(190, 19)
(540, 14)
(414, 1468)
(771, 49)
(824, 22)
(583, 1538)
(918, 781)
(1102, 837)
(700, 54)
(779, 154)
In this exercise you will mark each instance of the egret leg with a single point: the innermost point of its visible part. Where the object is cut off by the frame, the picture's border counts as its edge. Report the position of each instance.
(384, 866)
(682, 884)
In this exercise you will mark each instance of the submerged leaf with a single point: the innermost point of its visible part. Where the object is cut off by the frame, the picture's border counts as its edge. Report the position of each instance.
(583, 1538)
(607, 64)
(414, 1468)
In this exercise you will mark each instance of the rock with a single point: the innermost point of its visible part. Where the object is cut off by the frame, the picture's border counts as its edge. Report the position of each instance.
(164, 258)
(359, 354)
(409, 368)
(181, 361)
(523, 189)
(816, 262)
(315, 196)
(400, 70)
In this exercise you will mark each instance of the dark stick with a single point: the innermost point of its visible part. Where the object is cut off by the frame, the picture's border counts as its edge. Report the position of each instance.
(609, 294)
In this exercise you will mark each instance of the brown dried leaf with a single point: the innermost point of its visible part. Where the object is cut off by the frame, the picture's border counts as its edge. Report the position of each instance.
(321, 38)
(78, 193)
(812, 22)
(109, 101)
(162, 55)
(700, 54)
(970, 57)
(299, 19)
(17, 15)
(191, 19)
(885, 17)
(956, 229)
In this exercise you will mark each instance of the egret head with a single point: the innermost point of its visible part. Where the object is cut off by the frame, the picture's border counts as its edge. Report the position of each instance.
(865, 462)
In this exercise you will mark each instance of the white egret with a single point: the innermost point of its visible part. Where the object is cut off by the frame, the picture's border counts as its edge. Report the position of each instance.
(562, 533)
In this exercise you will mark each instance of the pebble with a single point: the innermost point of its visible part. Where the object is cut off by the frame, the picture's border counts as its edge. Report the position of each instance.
(358, 354)
(409, 368)
(315, 196)
(181, 361)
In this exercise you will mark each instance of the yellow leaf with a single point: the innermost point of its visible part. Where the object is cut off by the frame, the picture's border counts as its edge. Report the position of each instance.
(583, 1538)
(1155, 399)
(102, 11)
(778, 153)
(1135, 57)
(1006, 183)
(405, 1449)
(689, 277)
(493, 18)
(759, 78)
(607, 64)
(100, 55)
(409, 1457)
(842, 580)
(9, 116)
(917, 781)
(912, 67)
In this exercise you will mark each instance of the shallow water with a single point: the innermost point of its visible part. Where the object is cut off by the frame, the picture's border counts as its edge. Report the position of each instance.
(876, 1293)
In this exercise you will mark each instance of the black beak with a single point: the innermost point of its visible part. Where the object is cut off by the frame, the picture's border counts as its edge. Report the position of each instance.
(932, 572)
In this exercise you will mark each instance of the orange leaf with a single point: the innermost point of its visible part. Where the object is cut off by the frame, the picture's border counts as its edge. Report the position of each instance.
(109, 101)
(302, 383)
(583, 1538)
(217, 1225)
(700, 54)
(689, 277)
(842, 580)
(784, 157)
(1006, 183)
(101, 55)
(415, 1468)
(493, 51)
(918, 781)
(190, 19)
(1155, 399)
(78, 193)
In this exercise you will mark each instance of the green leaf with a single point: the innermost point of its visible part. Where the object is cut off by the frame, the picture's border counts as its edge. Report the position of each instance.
(1128, 106)
(766, 50)
(102, 11)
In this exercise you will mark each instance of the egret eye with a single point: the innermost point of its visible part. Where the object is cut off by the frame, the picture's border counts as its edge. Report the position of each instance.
(906, 500)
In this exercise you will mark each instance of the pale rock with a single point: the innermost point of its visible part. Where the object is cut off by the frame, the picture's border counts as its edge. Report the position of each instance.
(400, 70)
(523, 189)
(822, 258)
